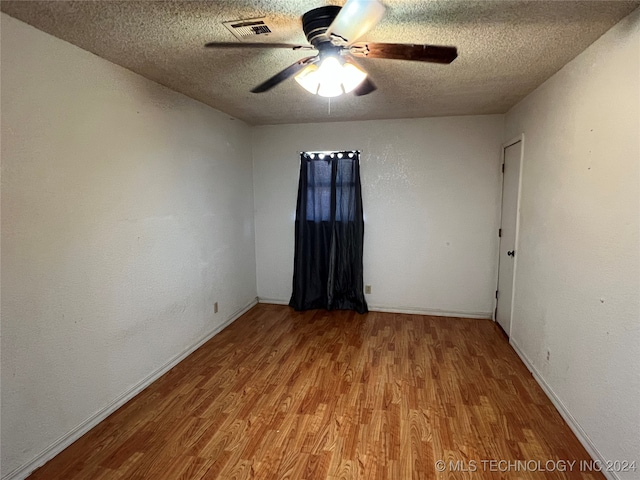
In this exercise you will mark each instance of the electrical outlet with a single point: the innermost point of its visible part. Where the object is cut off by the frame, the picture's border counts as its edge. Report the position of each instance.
(367, 289)
(215, 307)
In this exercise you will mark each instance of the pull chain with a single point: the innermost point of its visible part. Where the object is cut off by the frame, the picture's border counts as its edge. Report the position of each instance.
(329, 106)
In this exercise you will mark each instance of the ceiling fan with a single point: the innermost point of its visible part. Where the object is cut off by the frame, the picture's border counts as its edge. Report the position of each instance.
(333, 31)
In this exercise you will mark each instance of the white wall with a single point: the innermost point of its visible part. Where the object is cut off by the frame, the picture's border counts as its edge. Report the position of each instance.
(578, 276)
(127, 212)
(431, 193)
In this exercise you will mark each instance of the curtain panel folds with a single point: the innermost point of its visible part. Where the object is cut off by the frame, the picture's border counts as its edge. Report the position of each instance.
(329, 233)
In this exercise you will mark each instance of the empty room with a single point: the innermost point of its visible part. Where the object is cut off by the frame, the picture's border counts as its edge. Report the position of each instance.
(320, 239)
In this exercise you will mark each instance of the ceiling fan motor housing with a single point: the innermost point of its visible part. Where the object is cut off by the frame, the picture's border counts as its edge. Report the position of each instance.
(316, 22)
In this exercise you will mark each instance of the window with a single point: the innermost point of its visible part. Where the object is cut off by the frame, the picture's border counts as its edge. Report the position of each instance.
(330, 186)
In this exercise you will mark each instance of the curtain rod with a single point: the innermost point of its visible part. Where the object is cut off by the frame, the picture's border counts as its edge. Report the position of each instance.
(331, 153)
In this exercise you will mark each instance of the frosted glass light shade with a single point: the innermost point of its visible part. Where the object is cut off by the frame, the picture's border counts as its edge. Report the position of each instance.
(308, 78)
(331, 79)
(352, 76)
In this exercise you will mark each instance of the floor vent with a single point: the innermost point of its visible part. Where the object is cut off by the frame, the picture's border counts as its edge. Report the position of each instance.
(250, 28)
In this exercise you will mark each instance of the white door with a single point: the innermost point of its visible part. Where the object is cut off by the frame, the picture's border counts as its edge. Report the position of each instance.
(510, 187)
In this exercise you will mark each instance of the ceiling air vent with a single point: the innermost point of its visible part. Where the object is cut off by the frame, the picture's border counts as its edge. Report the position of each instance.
(247, 29)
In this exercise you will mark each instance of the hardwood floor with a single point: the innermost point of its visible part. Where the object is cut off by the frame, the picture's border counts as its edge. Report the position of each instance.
(334, 395)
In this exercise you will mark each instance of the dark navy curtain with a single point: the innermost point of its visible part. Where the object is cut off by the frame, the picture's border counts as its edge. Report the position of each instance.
(329, 233)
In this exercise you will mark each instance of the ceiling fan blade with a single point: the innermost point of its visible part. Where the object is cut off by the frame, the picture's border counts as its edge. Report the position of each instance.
(281, 76)
(355, 19)
(400, 51)
(365, 88)
(257, 45)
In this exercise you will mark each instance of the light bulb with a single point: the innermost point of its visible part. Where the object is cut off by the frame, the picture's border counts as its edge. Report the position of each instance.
(330, 76)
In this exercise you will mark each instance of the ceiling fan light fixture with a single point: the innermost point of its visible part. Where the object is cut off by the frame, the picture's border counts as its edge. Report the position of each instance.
(332, 78)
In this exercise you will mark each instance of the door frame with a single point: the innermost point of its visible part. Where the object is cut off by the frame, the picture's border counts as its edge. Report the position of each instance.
(513, 141)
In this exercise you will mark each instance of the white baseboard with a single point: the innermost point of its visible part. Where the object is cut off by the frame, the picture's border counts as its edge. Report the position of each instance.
(430, 311)
(564, 412)
(409, 310)
(67, 439)
(273, 301)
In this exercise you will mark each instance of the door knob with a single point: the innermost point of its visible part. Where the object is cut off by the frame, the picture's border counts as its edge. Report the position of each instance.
(511, 253)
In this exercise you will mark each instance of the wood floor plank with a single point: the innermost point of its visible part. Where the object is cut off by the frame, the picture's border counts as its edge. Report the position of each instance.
(323, 395)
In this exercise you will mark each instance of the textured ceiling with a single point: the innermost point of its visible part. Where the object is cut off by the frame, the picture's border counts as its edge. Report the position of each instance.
(505, 50)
